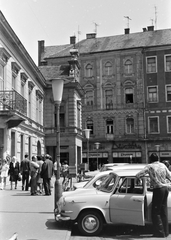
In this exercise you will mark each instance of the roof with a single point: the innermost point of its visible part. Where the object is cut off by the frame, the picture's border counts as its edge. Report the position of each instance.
(126, 172)
(52, 72)
(113, 43)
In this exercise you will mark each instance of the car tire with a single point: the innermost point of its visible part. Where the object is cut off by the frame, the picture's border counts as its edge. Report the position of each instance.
(90, 223)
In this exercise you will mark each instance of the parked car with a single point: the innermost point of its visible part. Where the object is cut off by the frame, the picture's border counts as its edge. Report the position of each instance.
(106, 169)
(120, 199)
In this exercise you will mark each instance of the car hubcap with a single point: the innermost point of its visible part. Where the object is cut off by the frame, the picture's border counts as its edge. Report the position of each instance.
(90, 223)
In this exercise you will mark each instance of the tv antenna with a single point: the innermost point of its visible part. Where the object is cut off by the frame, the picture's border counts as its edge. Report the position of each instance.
(152, 20)
(128, 18)
(96, 25)
(155, 17)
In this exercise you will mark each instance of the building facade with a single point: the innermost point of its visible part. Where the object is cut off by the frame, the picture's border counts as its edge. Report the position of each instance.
(118, 87)
(21, 98)
(70, 111)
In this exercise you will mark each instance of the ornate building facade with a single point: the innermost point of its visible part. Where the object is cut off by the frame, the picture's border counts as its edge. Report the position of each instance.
(21, 98)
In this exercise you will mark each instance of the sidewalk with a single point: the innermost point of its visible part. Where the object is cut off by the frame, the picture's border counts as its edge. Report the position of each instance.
(31, 217)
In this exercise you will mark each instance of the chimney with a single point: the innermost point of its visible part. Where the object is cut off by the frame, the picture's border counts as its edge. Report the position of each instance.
(90, 35)
(144, 29)
(127, 30)
(41, 48)
(150, 28)
(73, 40)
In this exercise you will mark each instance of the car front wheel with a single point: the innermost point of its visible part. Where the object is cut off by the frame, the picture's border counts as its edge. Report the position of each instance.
(90, 223)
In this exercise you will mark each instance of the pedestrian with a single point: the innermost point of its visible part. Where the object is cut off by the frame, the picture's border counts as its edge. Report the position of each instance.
(34, 166)
(25, 170)
(64, 171)
(46, 174)
(4, 173)
(39, 178)
(158, 174)
(14, 169)
(167, 164)
(56, 167)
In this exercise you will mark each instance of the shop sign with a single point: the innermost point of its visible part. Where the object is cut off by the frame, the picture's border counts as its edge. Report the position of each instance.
(95, 155)
(165, 154)
(126, 154)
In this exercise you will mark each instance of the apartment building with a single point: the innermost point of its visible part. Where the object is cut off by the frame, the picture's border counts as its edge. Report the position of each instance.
(119, 91)
(21, 98)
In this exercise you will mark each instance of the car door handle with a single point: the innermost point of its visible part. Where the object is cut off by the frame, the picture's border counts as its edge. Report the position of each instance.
(137, 200)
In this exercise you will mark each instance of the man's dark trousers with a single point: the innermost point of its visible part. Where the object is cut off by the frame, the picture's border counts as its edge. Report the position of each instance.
(160, 211)
(25, 179)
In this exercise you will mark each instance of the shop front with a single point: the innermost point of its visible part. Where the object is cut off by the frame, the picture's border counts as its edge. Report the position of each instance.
(96, 159)
(127, 157)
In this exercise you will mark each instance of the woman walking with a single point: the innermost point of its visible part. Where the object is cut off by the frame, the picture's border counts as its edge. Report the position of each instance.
(14, 170)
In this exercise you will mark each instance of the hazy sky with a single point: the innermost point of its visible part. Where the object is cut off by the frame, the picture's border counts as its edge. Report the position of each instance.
(56, 20)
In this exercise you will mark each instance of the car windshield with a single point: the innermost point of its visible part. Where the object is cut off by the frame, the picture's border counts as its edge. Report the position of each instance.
(90, 179)
(108, 183)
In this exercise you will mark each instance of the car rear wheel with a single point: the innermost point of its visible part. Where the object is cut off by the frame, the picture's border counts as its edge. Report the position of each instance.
(90, 223)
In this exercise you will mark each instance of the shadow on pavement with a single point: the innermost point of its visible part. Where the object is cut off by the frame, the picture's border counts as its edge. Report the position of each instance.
(52, 224)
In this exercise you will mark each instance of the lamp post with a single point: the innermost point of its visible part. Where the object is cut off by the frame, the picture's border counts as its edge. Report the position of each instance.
(57, 89)
(158, 150)
(87, 135)
(97, 144)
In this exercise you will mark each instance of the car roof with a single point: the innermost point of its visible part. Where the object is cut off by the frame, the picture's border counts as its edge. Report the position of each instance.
(126, 172)
(130, 166)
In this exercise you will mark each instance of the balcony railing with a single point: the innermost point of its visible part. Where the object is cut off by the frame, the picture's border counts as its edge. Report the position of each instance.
(12, 100)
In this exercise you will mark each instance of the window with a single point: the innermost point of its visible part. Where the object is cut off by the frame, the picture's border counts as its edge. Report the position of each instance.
(61, 116)
(168, 93)
(153, 124)
(152, 94)
(13, 81)
(168, 63)
(129, 95)
(89, 97)
(131, 185)
(129, 125)
(109, 98)
(108, 68)
(109, 126)
(29, 102)
(128, 67)
(168, 124)
(78, 114)
(90, 126)
(1, 77)
(151, 65)
(89, 70)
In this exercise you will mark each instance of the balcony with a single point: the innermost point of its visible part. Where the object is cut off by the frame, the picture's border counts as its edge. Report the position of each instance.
(13, 101)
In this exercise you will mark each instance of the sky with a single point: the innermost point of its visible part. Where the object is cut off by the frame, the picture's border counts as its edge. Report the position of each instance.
(55, 21)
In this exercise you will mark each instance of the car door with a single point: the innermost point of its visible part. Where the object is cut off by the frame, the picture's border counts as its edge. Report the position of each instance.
(127, 203)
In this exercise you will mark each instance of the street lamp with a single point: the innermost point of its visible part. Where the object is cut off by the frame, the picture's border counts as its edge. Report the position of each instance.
(87, 135)
(97, 144)
(57, 89)
(158, 150)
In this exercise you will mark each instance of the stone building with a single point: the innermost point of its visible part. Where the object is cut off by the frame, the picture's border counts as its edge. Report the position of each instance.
(70, 111)
(118, 89)
(21, 98)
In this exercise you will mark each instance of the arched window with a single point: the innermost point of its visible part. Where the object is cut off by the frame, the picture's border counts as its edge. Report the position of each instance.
(108, 68)
(129, 98)
(89, 98)
(109, 126)
(129, 125)
(128, 67)
(89, 70)
(109, 98)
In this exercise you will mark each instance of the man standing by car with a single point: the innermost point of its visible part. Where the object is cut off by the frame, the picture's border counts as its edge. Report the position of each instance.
(25, 170)
(46, 174)
(158, 174)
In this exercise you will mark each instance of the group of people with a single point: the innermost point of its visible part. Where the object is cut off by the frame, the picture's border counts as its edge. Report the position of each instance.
(35, 174)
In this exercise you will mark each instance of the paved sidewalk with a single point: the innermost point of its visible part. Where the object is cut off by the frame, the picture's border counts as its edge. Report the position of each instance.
(30, 216)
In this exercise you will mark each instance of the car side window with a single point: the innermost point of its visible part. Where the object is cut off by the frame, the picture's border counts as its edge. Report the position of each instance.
(131, 185)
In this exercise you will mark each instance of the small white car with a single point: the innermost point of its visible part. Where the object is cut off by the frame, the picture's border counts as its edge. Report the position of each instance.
(98, 178)
(120, 198)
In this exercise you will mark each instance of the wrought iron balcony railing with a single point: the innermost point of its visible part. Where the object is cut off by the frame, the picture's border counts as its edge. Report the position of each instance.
(12, 100)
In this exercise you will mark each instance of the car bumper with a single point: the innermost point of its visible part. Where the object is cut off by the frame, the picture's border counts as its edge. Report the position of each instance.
(60, 218)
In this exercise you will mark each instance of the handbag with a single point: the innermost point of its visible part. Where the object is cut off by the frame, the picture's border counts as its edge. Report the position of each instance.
(19, 177)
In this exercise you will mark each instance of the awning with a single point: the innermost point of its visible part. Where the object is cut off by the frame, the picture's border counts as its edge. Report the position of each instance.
(14, 121)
